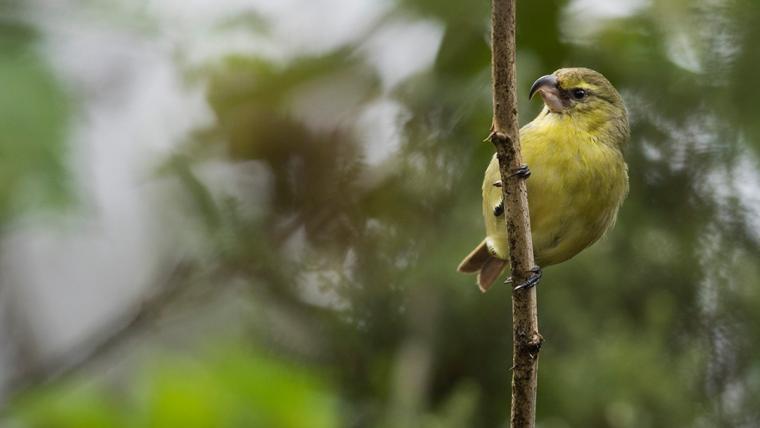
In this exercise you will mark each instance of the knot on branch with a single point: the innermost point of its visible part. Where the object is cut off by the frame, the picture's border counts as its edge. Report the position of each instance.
(529, 342)
(505, 149)
(501, 140)
(534, 344)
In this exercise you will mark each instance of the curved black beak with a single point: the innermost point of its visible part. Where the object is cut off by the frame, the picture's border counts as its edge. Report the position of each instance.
(548, 81)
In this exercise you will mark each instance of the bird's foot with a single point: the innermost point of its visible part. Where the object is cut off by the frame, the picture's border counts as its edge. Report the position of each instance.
(532, 281)
(521, 172)
(498, 210)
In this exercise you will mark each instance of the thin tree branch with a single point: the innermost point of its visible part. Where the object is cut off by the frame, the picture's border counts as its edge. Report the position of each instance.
(506, 139)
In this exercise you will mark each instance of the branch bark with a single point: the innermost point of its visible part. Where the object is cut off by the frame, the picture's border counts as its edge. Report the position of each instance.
(526, 340)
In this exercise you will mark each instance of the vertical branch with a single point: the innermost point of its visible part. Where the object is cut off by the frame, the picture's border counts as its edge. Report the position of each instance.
(506, 138)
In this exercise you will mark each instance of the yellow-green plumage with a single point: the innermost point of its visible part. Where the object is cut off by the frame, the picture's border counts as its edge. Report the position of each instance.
(578, 175)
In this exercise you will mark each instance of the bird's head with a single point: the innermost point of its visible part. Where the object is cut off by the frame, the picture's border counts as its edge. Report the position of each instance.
(577, 90)
(583, 94)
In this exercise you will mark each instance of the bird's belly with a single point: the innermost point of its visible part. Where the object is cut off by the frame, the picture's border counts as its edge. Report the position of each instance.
(571, 206)
(561, 234)
(557, 234)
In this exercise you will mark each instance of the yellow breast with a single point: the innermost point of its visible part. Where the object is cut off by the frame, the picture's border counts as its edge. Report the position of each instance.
(578, 182)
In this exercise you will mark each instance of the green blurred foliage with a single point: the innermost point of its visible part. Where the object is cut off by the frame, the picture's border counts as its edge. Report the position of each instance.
(235, 388)
(654, 326)
(33, 122)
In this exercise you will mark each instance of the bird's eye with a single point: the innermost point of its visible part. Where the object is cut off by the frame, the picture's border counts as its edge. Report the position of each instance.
(579, 94)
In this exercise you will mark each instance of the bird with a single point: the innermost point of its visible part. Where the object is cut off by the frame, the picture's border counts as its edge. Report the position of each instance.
(578, 177)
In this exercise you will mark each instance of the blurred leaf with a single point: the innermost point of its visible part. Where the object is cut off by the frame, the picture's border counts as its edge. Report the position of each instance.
(33, 125)
(234, 389)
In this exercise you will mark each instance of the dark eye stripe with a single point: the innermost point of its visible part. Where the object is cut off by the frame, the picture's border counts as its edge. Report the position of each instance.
(579, 93)
(590, 93)
(567, 94)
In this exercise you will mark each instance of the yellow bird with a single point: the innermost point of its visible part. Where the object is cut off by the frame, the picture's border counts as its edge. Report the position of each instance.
(578, 177)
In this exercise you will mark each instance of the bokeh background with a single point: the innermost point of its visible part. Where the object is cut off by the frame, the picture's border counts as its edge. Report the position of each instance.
(248, 213)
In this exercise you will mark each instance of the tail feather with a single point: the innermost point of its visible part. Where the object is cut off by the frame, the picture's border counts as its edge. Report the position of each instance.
(474, 261)
(488, 267)
(490, 272)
